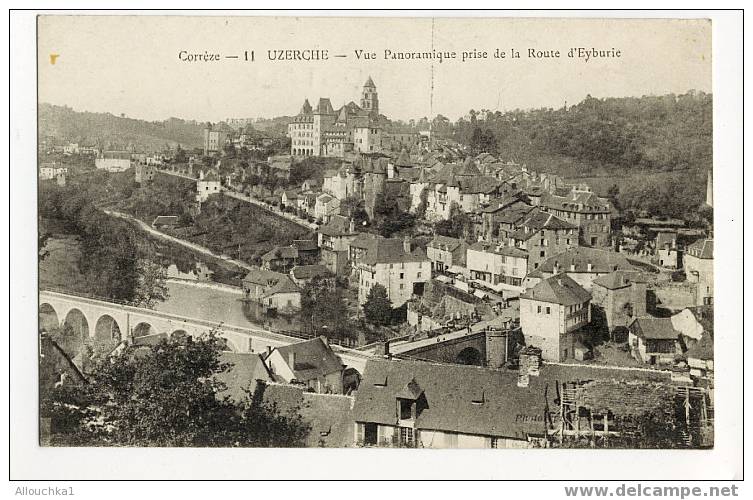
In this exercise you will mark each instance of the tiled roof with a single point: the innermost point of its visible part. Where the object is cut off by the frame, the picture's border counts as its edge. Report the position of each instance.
(285, 285)
(654, 328)
(445, 243)
(583, 202)
(263, 277)
(602, 261)
(538, 220)
(309, 272)
(313, 359)
(703, 249)
(704, 348)
(390, 250)
(620, 279)
(338, 225)
(403, 160)
(482, 246)
(329, 416)
(560, 289)
(289, 252)
(244, 370)
(474, 400)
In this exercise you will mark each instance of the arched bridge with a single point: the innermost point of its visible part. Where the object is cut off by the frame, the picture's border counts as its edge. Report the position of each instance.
(91, 318)
(485, 347)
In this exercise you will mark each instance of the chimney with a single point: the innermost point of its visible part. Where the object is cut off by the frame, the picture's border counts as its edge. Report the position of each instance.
(269, 350)
(352, 226)
(291, 360)
(556, 268)
(590, 266)
(406, 244)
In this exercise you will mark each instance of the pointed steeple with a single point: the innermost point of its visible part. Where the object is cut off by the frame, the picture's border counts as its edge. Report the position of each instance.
(369, 83)
(306, 109)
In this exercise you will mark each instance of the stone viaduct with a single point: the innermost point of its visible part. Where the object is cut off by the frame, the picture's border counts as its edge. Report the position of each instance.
(102, 320)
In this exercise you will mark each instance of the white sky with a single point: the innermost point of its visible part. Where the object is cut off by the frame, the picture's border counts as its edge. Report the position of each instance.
(129, 64)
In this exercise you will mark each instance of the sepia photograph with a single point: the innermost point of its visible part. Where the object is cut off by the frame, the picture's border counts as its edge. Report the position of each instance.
(376, 231)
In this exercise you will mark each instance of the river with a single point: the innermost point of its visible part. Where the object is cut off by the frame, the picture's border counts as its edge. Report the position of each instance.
(203, 301)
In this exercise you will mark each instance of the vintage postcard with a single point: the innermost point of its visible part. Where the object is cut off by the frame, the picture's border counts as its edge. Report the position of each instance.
(359, 232)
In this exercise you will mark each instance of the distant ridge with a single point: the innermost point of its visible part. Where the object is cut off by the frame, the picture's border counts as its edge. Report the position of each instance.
(115, 132)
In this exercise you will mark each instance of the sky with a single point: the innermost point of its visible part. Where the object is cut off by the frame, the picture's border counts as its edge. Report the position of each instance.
(132, 64)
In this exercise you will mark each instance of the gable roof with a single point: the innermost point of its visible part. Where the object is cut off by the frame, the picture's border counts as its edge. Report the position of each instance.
(329, 416)
(654, 328)
(575, 201)
(390, 250)
(288, 252)
(620, 279)
(338, 225)
(244, 370)
(484, 246)
(445, 243)
(285, 285)
(538, 220)
(560, 289)
(602, 261)
(313, 359)
(263, 277)
(309, 272)
(479, 401)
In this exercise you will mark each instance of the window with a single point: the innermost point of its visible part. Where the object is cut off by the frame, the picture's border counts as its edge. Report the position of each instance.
(418, 275)
(402, 275)
(402, 286)
(406, 436)
(538, 309)
(548, 310)
(542, 253)
(406, 409)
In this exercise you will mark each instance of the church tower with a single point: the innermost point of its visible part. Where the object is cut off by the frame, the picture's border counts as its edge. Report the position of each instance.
(369, 98)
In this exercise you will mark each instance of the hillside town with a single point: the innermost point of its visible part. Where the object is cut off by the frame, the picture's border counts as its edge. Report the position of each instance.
(435, 294)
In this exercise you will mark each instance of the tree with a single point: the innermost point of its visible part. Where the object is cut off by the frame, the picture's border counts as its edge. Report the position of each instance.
(378, 308)
(323, 308)
(151, 287)
(459, 225)
(180, 155)
(168, 395)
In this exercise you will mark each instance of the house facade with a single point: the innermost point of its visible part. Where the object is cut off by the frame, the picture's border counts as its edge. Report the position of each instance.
(392, 263)
(582, 208)
(496, 266)
(551, 312)
(699, 269)
(445, 252)
(311, 363)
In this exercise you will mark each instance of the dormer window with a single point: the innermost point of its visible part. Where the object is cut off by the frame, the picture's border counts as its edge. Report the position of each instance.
(406, 409)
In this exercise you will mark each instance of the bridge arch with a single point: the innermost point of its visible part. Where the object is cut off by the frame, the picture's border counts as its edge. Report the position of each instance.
(470, 356)
(48, 317)
(107, 328)
(75, 332)
(143, 329)
(179, 333)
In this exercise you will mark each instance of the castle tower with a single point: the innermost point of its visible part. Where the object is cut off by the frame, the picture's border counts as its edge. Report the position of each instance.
(369, 98)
